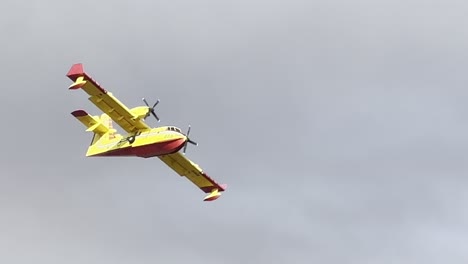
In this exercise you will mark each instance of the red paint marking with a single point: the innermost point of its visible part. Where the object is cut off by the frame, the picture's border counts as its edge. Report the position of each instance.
(158, 149)
(75, 71)
(79, 113)
(208, 189)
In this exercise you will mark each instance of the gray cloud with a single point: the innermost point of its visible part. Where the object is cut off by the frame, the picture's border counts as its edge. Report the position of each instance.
(339, 127)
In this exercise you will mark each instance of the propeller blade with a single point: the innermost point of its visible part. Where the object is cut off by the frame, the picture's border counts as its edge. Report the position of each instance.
(151, 109)
(189, 140)
(185, 147)
(155, 116)
(144, 100)
(155, 104)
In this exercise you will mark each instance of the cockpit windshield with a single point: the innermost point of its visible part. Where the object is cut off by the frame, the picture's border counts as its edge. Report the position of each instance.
(174, 129)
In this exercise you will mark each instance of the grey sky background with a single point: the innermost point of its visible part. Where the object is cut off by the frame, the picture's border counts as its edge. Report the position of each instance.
(340, 127)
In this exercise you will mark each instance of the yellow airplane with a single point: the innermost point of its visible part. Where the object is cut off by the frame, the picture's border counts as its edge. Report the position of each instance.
(141, 140)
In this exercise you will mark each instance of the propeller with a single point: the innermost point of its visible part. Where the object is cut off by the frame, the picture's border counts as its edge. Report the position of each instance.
(151, 109)
(189, 140)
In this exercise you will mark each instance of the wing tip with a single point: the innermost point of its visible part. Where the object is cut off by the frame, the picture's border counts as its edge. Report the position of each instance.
(214, 192)
(221, 187)
(75, 71)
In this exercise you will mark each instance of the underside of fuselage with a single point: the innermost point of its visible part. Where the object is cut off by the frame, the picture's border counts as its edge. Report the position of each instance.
(145, 151)
(151, 143)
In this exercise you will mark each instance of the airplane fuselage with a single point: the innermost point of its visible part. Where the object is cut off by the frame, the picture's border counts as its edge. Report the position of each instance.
(149, 143)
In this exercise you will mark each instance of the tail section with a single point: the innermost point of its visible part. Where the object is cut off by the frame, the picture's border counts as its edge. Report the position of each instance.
(106, 120)
(100, 126)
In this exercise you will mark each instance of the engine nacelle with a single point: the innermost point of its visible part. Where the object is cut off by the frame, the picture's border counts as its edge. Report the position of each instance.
(140, 112)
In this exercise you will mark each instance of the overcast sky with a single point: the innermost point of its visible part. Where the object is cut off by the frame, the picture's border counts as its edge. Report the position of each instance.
(340, 127)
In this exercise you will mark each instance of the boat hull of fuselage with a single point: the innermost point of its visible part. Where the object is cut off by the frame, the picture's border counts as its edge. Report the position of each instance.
(146, 151)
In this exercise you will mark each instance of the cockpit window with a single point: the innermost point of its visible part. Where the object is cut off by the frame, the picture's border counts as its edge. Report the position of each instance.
(174, 129)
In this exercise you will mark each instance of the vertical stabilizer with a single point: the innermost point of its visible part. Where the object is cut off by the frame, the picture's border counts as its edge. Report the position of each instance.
(105, 119)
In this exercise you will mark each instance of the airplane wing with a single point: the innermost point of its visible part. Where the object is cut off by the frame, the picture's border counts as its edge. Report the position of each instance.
(105, 101)
(185, 167)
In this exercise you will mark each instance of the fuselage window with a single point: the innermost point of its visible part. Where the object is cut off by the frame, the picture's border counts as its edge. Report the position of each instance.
(174, 129)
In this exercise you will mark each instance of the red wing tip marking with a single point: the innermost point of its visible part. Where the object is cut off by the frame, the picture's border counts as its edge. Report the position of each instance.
(221, 187)
(75, 71)
(79, 113)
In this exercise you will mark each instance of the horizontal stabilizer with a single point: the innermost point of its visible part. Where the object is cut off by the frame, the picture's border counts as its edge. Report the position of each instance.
(93, 123)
